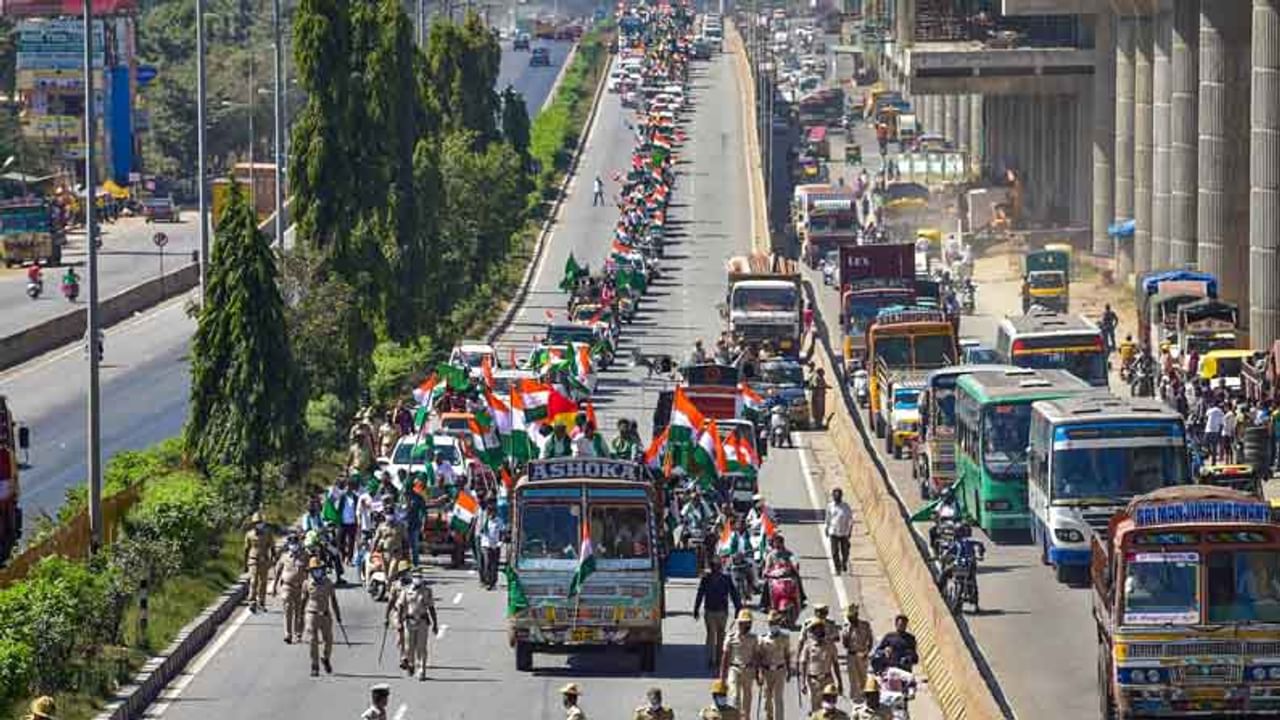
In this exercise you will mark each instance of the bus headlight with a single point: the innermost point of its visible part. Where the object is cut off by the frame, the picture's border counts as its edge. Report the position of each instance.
(1069, 535)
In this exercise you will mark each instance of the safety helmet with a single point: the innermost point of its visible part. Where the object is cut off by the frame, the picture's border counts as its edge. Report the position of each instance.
(718, 687)
(571, 689)
(315, 563)
(851, 610)
(744, 615)
(821, 609)
(43, 708)
(872, 686)
(830, 690)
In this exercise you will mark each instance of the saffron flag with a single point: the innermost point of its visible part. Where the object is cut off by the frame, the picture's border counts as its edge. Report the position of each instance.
(750, 399)
(465, 509)
(686, 419)
(586, 561)
(426, 393)
(657, 449)
(709, 453)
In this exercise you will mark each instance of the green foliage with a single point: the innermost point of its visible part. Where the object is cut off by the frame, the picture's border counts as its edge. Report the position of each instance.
(324, 416)
(126, 469)
(245, 404)
(16, 662)
(554, 132)
(396, 366)
(181, 509)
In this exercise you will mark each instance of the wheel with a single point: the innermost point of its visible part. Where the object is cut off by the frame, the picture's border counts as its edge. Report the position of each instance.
(648, 657)
(524, 656)
(951, 594)
(1106, 704)
(897, 450)
(1043, 541)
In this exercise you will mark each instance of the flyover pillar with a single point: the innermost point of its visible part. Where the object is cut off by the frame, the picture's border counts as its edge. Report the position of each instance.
(1143, 95)
(1162, 91)
(962, 122)
(1126, 29)
(1264, 177)
(977, 148)
(952, 112)
(1104, 133)
(1184, 113)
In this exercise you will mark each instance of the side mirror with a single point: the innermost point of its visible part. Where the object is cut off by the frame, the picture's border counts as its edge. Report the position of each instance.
(24, 437)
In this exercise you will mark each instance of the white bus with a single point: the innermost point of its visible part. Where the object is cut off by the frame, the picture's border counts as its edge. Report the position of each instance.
(1046, 340)
(1089, 455)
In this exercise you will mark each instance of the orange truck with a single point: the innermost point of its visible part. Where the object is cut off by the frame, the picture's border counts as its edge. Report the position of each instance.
(903, 341)
(12, 440)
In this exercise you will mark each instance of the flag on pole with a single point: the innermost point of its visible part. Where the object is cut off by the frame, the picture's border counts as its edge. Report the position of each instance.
(486, 368)
(726, 537)
(709, 455)
(465, 509)
(426, 393)
(572, 271)
(586, 561)
(686, 419)
(517, 601)
(518, 445)
(750, 399)
(657, 449)
(454, 377)
(487, 445)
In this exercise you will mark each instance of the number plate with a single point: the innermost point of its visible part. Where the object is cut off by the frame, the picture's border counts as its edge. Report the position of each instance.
(584, 634)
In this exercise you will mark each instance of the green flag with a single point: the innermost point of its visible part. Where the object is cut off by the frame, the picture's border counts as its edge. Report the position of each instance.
(455, 377)
(517, 601)
(572, 271)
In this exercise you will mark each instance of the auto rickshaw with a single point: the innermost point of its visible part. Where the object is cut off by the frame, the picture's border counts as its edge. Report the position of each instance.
(1236, 477)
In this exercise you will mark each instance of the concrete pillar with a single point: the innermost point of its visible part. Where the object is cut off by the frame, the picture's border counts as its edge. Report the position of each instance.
(977, 134)
(1184, 113)
(962, 120)
(1224, 147)
(1264, 177)
(952, 104)
(937, 115)
(1143, 95)
(1126, 29)
(1104, 132)
(1163, 90)
(921, 105)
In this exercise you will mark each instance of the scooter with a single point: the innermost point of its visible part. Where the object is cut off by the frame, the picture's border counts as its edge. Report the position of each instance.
(35, 288)
(784, 593)
(742, 573)
(897, 690)
(779, 427)
(373, 569)
(71, 291)
(861, 387)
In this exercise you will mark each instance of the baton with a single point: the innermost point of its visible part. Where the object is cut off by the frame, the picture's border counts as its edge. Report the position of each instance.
(383, 648)
(343, 628)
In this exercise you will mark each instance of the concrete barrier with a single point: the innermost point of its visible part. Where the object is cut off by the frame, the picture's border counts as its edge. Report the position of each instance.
(760, 237)
(962, 690)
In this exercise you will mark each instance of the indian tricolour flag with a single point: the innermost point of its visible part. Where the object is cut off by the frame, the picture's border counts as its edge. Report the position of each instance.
(487, 444)
(739, 453)
(586, 561)
(709, 452)
(465, 509)
(686, 419)
(426, 393)
(653, 455)
(750, 399)
(518, 445)
(500, 413)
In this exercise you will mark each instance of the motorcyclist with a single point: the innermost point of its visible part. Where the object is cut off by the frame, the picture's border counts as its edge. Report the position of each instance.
(779, 422)
(35, 274)
(70, 280)
(737, 551)
(1128, 352)
(962, 549)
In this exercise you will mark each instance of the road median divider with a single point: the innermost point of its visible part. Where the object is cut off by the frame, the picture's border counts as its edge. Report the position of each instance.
(958, 685)
(760, 238)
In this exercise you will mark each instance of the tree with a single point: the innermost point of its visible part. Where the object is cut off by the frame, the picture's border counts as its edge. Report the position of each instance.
(245, 408)
(515, 122)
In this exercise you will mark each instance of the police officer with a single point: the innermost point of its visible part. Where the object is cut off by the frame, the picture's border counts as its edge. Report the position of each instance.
(819, 664)
(291, 571)
(379, 698)
(570, 694)
(390, 538)
(739, 663)
(857, 639)
(775, 666)
(719, 709)
(401, 580)
(259, 548)
(820, 614)
(654, 709)
(416, 608)
(828, 709)
(322, 609)
(870, 707)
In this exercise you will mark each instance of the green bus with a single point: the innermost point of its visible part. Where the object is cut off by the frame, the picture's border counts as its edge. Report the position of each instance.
(993, 424)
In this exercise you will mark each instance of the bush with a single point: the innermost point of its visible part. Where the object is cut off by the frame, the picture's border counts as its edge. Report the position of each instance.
(396, 367)
(181, 508)
(126, 469)
(15, 669)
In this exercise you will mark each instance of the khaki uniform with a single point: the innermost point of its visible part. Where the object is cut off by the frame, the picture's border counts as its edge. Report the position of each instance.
(390, 539)
(862, 712)
(321, 607)
(833, 714)
(259, 549)
(775, 663)
(415, 607)
(742, 652)
(711, 712)
(857, 640)
(819, 666)
(644, 712)
(393, 596)
(291, 571)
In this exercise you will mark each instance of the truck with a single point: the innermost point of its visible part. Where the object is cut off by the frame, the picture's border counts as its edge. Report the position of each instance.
(1187, 615)
(1046, 280)
(871, 277)
(13, 439)
(712, 388)
(764, 301)
(29, 234)
(825, 218)
(1159, 295)
(902, 340)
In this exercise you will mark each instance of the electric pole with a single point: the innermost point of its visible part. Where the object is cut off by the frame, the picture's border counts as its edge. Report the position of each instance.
(279, 124)
(92, 329)
(202, 179)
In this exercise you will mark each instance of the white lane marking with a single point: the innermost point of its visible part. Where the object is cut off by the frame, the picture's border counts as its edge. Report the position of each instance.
(176, 688)
(440, 632)
(457, 598)
(815, 499)
(400, 712)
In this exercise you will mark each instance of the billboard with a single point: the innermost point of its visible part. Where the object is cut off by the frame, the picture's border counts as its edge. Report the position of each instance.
(52, 8)
(52, 128)
(56, 44)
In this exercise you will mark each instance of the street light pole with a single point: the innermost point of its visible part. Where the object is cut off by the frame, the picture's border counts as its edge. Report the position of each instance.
(91, 279)
(202, 179)
(279, 125)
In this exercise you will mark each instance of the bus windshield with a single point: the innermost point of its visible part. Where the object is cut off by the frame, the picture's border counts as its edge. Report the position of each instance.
(933, 351)
(549, 536)
(1116, 473)
(620, 537)
(906, 399)
(1162, 588)
(765, 299)
(1090, 366)
(1244, 585)
(1006, 429)
(944, 415)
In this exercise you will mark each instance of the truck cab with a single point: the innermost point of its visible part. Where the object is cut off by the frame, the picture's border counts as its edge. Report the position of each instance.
(764, 301)
(1046, 280)
(13, 439)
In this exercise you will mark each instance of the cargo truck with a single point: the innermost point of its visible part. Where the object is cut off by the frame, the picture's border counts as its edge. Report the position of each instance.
(1046, 280)
(872, 277)
(764, 301)
(28, 233)
(13, 439)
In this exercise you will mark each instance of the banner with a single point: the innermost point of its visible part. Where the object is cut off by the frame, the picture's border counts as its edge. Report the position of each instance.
(52, 8)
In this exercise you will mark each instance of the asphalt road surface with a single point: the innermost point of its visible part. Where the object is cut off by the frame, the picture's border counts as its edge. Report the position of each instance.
(249, 672)
(144, 377)
(1037, 635)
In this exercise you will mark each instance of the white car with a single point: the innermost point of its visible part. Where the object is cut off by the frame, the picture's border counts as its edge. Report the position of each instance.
(471, 354)
(404, 457)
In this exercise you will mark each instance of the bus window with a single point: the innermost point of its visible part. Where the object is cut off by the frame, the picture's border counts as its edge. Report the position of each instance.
(1005, 433)
(621, 533)
(1089, 366)
(548, 532)
(1162, 588)
(1116, 472)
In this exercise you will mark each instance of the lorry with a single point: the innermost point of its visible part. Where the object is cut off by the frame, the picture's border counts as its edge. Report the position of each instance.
(1046, 280)
(764, 301)
(871, 277)
(903, 340)
(711, 387)
(28, 233)
(1186, 613)
(1159, 295)
(825, 218)
(13, 439)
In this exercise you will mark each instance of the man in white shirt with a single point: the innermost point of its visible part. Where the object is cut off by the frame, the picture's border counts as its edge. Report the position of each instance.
(445, 474)
(1229, 420)
(839, 526)
(491, 529)
(1213, 421)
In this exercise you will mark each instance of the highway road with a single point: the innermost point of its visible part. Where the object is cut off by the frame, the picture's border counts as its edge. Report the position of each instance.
(473, 673)
(1036, 634)
(144, 380)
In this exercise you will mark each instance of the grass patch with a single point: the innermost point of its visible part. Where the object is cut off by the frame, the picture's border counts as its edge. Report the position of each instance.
(182, 598)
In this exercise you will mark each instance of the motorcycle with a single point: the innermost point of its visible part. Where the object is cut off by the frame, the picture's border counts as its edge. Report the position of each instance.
(960, 574)
(742, 572)
(779, 427)
(897, 690)
(71, 291)
(968, 299)
(1141, 381)
(784, 592)
(861, 387)
(35, 288)
(947, 524)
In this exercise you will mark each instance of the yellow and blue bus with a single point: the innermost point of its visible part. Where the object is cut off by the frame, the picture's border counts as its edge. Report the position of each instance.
(993, 419)
(1044, 340)
(1089, 457)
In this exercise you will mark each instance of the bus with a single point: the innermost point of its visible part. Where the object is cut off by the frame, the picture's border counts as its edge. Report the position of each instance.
(1044, 340)
(993, 420)
(1186, 606)
(935, 463)
(1089, 456)
(558, 505)
(904, 339)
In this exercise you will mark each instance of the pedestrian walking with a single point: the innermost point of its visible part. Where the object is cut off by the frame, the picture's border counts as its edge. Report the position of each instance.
(492, 530)
(819, 666)
(1214, 420)
(818, 399)
(416, 609)
(775, 666)
(719, 709)
(259, 556)
(821, 611)
(857, 639)
(739, 661)
(1108, 326)
(839, 527)
(379, 698)
(291, 573)
(321, 610)
(569, 695)
(597, 192)
(653, 709)
(715, 591)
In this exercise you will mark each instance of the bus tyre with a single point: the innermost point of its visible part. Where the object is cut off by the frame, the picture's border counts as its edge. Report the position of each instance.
(648, 657)
(524, 656)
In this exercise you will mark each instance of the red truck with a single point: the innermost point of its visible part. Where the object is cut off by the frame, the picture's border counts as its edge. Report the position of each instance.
(872, 277)
(12, 440)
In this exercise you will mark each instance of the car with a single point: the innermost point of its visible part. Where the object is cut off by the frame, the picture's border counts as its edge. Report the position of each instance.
(782, 382)
(161, 209)
(413, 453)
(521, 41)
(540, 57)
(471, 355)
(973, 352)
